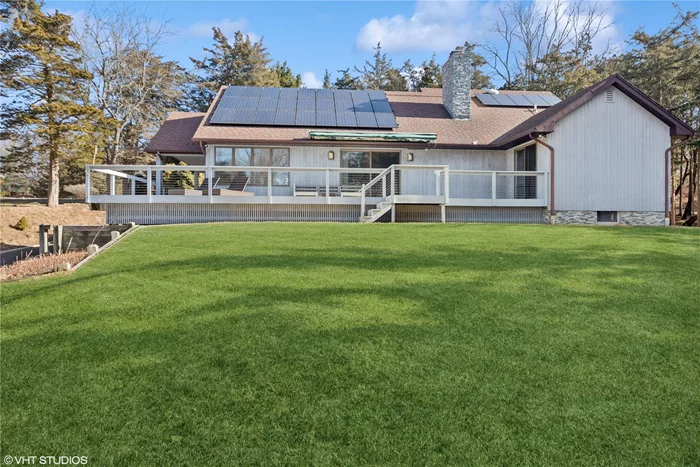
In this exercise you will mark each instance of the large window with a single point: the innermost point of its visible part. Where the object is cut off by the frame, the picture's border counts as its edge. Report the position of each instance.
(366, 160)
(255, 157)
(526, 161)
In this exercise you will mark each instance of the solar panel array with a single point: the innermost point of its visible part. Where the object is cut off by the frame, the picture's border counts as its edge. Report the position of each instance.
(518, 100)
(246, 105)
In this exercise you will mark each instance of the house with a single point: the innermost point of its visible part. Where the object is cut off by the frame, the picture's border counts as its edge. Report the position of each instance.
(452, 155)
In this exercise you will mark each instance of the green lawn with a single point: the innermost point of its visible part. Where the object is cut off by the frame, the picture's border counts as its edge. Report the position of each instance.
(333, 344)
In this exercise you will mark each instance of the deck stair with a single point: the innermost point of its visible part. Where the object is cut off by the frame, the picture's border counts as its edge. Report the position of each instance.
(374, 214)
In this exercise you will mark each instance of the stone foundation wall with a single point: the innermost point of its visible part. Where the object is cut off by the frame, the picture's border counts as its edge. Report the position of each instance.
(624, 218)
(641, 218)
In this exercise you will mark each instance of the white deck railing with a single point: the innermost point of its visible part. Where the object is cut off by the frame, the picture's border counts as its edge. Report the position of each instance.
(400, 184)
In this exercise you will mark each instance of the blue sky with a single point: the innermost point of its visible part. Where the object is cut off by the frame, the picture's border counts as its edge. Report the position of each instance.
(313, 36)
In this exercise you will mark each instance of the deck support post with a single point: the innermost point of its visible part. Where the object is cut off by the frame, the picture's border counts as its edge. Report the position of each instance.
(210, 185)
(159, 175)
(442, 213)
(393, 212)
(87, 183)
(149, 183)
(447, 184)
(493, 188)
(269, 185)
(362, 202)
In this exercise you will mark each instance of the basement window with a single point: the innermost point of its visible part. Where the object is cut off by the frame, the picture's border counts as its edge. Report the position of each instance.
(607, 217)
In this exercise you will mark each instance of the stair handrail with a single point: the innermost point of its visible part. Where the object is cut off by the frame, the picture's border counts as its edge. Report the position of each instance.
(363, 190)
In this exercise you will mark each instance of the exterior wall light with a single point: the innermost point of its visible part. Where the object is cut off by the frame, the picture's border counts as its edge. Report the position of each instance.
(331, 155)
(410, 157)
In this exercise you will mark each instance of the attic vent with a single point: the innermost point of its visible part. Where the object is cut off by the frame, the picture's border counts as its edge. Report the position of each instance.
(609, 96)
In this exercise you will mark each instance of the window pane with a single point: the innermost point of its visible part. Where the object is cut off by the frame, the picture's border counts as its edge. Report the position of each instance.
(223, 156)
(280, 158)
(243, 156)
(382, 160)
(262, 157)
(354, 159)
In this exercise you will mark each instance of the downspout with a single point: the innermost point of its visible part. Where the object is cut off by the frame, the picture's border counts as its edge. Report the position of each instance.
(667, 180)
(552, 214)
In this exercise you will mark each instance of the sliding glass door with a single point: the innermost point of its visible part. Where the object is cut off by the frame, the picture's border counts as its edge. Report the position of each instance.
(526, 161)
(367, 160)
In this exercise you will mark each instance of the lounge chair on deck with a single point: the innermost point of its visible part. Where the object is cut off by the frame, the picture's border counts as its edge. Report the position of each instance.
(203, 188)
(235, 188)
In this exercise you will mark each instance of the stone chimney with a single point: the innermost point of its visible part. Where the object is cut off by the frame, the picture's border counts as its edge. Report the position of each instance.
(456, 85)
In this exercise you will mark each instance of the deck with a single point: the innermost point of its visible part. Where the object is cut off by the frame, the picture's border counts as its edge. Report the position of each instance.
(372, 192)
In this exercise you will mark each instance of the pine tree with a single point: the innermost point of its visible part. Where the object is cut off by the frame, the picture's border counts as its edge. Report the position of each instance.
(431, 76)
(326, 80)
(395, 81)
(241, 63)
(286, 78)
(347, 81)
(412, 74)
(43, 70)
(375, 75)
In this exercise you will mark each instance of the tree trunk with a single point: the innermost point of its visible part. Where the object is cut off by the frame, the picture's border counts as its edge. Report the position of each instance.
(53, 181)
(697, 185)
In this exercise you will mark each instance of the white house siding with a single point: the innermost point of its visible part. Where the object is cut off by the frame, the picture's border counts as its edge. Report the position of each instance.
(412, 182)
(610, 157)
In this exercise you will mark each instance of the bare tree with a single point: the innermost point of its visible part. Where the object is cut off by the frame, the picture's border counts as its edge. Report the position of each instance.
(132, 84)
(527, 33)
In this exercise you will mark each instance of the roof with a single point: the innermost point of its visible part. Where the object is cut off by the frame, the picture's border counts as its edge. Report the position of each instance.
(175, 135)
(544, 121)
(416, 112)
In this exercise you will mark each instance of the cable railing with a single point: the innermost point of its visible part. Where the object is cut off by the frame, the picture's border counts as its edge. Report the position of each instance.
(409, 184)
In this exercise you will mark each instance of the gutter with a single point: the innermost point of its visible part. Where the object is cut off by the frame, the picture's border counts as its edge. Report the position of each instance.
(552, 214)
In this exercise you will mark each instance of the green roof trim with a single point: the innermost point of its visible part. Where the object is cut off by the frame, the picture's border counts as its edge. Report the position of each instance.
(360, 136)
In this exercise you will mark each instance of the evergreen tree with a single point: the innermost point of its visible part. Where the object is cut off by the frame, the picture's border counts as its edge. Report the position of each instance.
(326, 80)
(241, 63)
(395, 81)
(286, 78)
(375, 74)
(412, 74)
(43, 70)
(431, 76)
(347, 81)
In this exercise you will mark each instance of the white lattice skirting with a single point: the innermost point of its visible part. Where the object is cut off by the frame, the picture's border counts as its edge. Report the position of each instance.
(186, 213)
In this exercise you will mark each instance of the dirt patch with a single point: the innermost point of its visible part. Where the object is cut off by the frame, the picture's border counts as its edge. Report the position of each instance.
(40, 265)
(65, 214)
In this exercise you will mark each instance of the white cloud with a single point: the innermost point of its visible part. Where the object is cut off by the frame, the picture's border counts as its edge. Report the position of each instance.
(310, 80)
(227, 26)
(435, 25)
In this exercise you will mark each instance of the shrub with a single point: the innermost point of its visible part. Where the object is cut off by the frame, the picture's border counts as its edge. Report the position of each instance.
(22, 224)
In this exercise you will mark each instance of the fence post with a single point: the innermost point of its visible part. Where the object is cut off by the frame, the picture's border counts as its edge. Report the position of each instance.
(362, 201)
(149, 183)
(112, 185)
(493, 188)
(57, 238)
(269, 185)
(384, 186)
(133, 186)
(87, 184)
(328, 185)
(43, 239)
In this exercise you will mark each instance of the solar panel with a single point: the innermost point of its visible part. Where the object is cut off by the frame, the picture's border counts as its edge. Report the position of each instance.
(326, 118)
(264, 117)
(288, 93)
(551, 100)
(517, 100)
(520, 100)
(250, 91)
(536, 99)
(248, 105)
(233, 91)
